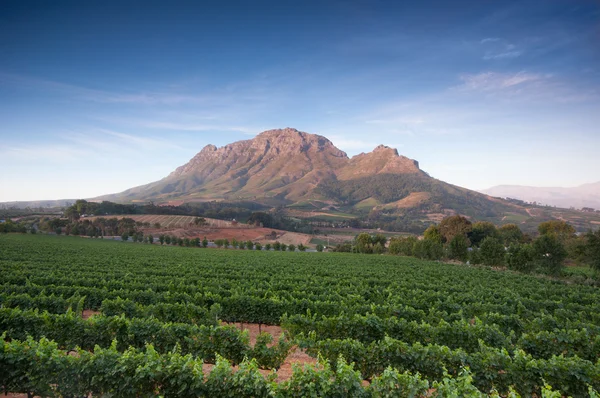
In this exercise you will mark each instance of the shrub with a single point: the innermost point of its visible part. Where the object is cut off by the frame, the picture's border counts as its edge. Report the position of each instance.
(492, 251)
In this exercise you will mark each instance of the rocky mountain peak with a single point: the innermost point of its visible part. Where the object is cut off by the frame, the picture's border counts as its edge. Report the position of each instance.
(385, 148)
(290, 140)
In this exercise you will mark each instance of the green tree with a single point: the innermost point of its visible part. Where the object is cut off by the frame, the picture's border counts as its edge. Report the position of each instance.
(428, 249)
(196, 242)
(301, 247)
(549, 253)
(219, 243)
(520, 257)
(167, 239)
(510, 234)
(379, 238)
(150, 239)
(475, 256)
(378, 248)
(292, 248)
(258, 246)
(402, 246)
(432, 233)
(282, 247)
(492, 251)
(319, 247)
(458, 248)
(268, 247)
(481, 230)
(561, 229)
(250, 245)
(593, 249)
(363, 243)
(454, 225)
(276, 246)
(205, 242)
(161, 239)
(125, 237)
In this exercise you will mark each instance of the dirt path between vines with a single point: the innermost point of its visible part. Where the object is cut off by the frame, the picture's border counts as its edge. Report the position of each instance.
(297, 356)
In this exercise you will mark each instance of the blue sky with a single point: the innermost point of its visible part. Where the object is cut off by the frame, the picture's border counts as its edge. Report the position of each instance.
(97, 97)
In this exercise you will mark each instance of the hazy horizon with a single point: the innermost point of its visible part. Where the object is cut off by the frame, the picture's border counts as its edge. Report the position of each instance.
(96, 98)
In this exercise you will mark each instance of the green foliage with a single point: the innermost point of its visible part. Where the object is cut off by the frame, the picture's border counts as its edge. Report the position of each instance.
(458, 248)
(454, 225)
(319, 247)
(433, 233)
(475, 256)
(363, 243)
(549, 254)
(510, 234)
(515, 333)
(402, 246)
(428, 249)
(481, 230)
(292, 248)
(559, 228)
(492, 251)
(520, 257)
(393, 384)
(593, 249)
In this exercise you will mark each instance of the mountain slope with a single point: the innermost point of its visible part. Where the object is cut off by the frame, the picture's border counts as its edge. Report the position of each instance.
(286, 167)
(587, 195)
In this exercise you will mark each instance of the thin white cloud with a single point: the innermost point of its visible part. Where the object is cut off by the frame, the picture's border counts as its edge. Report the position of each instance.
(95, 95)
(57, 153)
(497, 48)
(507, 54)
(141, 141)
(489, 40)
(493, 81)
(197, 127)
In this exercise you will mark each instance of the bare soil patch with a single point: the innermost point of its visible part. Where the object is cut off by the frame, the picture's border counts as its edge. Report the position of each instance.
(297, 356)
(89, 313)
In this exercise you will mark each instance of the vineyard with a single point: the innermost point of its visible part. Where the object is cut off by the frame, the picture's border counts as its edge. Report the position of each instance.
(169, 222)
(380, 326)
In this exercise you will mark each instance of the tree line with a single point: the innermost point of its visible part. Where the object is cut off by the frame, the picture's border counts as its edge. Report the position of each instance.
(457, 238)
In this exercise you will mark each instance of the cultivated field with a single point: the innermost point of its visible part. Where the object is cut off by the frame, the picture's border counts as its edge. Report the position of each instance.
(465, 331)
(172, 222)
(184, 227)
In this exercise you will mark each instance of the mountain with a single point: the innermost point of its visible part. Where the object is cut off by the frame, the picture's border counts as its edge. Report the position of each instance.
(587, 195)
(307, 172)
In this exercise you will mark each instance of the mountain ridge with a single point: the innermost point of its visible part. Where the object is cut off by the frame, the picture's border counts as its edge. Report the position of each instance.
(307, 172)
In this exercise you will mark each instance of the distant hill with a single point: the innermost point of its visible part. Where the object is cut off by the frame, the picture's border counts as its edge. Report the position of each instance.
(33, 204)
(587, 195)
(308, 173)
